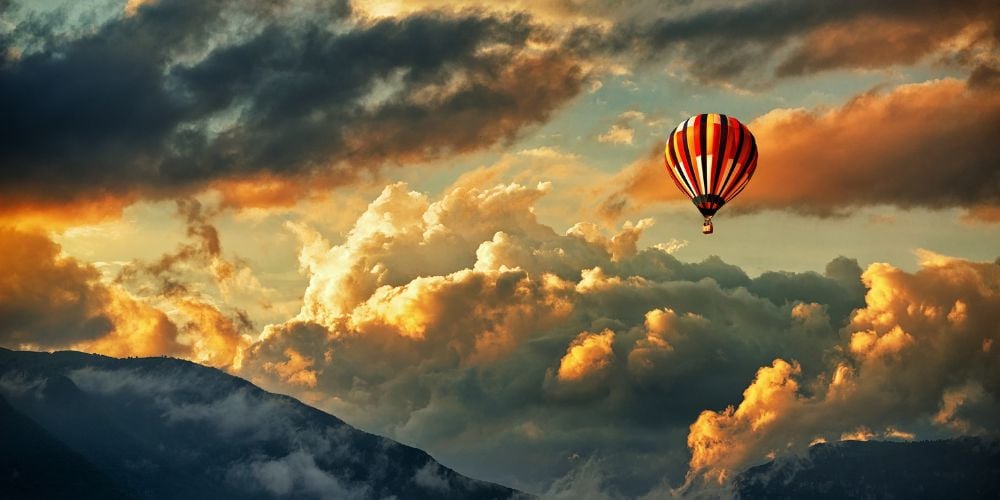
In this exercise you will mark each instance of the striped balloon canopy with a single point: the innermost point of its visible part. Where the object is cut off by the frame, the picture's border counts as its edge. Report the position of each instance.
(711, 158)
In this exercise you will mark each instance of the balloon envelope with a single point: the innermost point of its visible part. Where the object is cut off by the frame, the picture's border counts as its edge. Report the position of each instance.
(711, 158)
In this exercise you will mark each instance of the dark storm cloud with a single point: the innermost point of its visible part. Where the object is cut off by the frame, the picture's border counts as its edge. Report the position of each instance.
(744, 40)
(839, 289)
(180, 94)
(171, 98)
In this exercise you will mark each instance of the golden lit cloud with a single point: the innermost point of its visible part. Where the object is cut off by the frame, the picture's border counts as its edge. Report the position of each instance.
(297, 370)
(716, 438)
(587, 356)
(49, 301)
(421, 175)
(913, 354)
(904, 134)
(132, 6)
(52, 301)
(860, 434)
(139, 330)
(23, 212)
(214, 339)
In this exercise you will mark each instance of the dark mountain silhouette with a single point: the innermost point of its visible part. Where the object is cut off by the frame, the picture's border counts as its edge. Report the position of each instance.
(167, 428)
(964, 468)
(34, 465)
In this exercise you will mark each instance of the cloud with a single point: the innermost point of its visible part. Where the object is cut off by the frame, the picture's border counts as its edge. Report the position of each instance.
(771, 393)
(280, 447)
(176, 281)
(901, 40)
(24, 211)
(139, 330)
(585, 482)
(759, 42)
(297, 370)
(214, 338)
(756, 42)
(880, 148)
(430, 477)
(587, 356)
(164, 100)
(617, 134)
(52, 301)
(623, 130)
(165, 276)
(911, 364)
(295, 474)
(46, 299)
(465, 326)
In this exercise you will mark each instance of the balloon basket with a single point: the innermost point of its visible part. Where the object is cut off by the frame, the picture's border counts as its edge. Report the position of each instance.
(707, 227)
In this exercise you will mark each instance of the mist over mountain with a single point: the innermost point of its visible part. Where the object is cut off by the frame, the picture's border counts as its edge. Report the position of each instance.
(102, 427)
(76, 425)
(964, 468)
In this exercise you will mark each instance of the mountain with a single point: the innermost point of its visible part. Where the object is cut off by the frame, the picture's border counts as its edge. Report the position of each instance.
(163, 428)
(35, 465)
(966, 468)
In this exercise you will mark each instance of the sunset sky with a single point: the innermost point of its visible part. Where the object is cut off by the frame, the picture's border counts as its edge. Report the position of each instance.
(449, 223)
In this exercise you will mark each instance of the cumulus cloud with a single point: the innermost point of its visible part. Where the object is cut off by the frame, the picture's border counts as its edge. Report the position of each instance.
(588, 355)
(911, 364)
(465, 326)
(880, 148)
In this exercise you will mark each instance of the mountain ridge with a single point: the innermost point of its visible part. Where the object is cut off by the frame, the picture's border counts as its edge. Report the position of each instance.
(966, 467)
(168, 428)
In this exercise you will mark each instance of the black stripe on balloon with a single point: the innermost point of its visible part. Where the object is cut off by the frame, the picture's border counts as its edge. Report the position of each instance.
(736, 155)
(674, 164)
(744, 186)
(751, 154)
(751, 161)
(687, 156)
(720, 153)
(703, 139)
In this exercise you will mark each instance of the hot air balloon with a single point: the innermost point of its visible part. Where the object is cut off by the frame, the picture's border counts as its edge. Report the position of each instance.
(711, 158)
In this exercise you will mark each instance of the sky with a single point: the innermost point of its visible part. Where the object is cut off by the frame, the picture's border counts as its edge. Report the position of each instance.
(449, 223)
